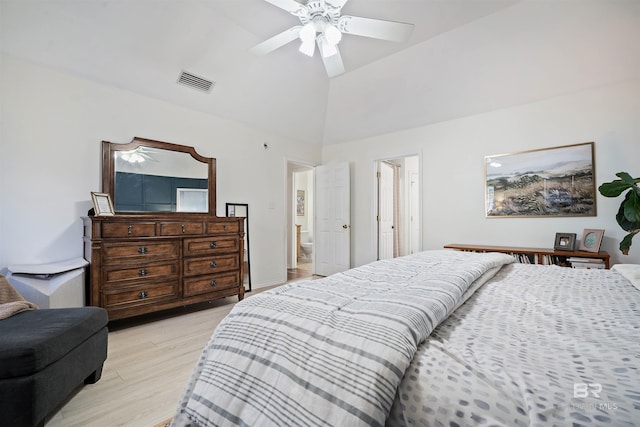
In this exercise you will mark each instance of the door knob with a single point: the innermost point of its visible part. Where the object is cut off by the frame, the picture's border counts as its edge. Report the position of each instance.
(345, 226)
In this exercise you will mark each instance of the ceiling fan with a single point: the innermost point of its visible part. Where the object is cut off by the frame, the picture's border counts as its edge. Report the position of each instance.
(322, 24)
(135, 156)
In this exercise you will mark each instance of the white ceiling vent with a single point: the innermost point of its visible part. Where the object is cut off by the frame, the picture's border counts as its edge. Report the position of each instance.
(195, 82)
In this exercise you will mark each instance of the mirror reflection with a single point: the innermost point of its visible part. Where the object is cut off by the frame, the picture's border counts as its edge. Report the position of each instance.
(242, 210)
(149, 179)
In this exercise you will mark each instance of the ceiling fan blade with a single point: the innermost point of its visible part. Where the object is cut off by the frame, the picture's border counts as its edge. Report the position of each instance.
(333, 64)
(291, 6)
(375, 28)
(276, 41)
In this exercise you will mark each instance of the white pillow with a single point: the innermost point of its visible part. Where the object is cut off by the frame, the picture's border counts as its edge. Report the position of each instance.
(630, 271)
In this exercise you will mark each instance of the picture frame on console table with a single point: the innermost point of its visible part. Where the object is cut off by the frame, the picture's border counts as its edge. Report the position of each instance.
(565, 242)
(102, 204)
(591, 240)
(547, 182)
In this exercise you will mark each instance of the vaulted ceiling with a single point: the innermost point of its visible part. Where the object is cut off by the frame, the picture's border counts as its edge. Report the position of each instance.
(438, 74)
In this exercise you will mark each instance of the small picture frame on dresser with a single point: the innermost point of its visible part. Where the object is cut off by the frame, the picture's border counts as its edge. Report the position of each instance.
(565, 242)
(591, 240)
(102, 204)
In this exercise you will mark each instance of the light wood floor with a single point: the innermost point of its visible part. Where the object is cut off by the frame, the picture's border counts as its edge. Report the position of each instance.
(148, 364)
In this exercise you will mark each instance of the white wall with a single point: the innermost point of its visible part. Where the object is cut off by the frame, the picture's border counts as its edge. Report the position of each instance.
(452, 162)
(50, 161)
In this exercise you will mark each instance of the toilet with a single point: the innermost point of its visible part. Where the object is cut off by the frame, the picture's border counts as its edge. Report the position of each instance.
(306, 249)
(306, 245)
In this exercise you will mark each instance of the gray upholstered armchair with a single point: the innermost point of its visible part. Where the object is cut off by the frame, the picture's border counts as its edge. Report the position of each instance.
(45, 355)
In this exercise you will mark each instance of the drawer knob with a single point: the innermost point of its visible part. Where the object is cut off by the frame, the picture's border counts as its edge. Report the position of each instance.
(183, 228)
(213, 245)
(130, 229)
(224, 226)
(213, 283)
(142, 250)
(142, 272)
(213, 264)
(142, 295)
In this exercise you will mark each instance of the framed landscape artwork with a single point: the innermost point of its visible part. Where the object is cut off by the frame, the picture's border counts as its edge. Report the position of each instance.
(548, 182)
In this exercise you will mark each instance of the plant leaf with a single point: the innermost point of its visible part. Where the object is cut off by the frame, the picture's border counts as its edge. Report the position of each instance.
(628, 216)
(613, 188)
(621, 218)
(625, 177)
(631, 205)
(625, 244)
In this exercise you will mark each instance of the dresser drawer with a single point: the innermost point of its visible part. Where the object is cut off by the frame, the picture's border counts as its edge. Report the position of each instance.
(208, 265)
(181, 228)
(223, 227)
(124, 229)
(210, 283)
(149, 271)
(211, 245)
(141, 251)
(139, 294)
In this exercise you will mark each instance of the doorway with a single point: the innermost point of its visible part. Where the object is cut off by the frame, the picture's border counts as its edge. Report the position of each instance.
(300, 237)
(397, 207)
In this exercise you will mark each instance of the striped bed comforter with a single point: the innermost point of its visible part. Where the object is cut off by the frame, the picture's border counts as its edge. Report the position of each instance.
(330, 351)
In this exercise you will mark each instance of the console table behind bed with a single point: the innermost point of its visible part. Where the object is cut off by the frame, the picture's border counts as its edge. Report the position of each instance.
(538, 255)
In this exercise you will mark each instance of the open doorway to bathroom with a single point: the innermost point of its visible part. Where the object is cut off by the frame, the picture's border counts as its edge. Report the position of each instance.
(397, 207)
(300, 249)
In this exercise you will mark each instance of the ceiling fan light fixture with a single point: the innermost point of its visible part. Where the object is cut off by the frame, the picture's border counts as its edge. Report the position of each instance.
(328, 49)
(136, 158)
(132, 156)
(308, 33)
(332, 34)
(308, 47)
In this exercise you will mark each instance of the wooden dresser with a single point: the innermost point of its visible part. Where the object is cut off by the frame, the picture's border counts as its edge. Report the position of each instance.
(158, 247)
(141, 263)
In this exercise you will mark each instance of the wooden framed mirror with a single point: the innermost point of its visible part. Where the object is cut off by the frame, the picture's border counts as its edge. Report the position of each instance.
(242, 210)
(147, 177)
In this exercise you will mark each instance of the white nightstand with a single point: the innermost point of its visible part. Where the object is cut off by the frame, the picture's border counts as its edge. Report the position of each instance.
(48, 287)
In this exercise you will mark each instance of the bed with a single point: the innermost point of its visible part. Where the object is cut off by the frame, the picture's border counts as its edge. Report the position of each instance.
(442, 338)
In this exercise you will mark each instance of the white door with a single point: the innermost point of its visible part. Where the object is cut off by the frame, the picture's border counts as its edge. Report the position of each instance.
(333, 219)
(385, 210)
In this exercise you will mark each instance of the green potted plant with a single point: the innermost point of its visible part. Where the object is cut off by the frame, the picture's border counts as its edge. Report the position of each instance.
(629, 213)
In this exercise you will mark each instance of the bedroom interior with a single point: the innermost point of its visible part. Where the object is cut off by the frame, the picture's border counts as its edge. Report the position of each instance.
(473, 79)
